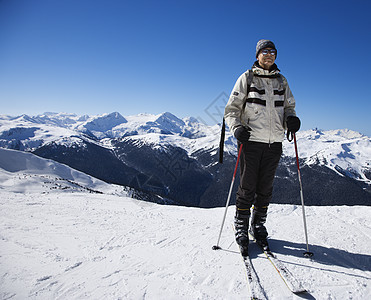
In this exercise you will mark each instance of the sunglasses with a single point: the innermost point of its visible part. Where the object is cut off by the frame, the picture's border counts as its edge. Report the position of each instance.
(271, 52)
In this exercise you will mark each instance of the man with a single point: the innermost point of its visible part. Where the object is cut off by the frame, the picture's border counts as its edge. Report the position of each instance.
(257, 113)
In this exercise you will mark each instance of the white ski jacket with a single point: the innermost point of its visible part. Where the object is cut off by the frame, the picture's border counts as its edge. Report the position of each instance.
(264, 109)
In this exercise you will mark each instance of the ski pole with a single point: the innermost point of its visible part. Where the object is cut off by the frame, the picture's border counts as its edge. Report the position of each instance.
(216, 247)
(307, 253)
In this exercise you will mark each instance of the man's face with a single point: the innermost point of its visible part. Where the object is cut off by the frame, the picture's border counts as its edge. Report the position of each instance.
(266, 58)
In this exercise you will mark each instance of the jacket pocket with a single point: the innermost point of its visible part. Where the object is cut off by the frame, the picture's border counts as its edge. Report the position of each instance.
(252, 111)
(278, 118)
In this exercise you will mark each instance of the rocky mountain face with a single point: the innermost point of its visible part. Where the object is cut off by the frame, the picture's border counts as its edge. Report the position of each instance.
(178, 158)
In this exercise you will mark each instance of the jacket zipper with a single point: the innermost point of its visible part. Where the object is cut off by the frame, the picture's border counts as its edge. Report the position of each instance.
(270, 84)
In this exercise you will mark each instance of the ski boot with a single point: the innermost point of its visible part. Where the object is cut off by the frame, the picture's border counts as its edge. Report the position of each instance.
(241, 224)
(258, 230)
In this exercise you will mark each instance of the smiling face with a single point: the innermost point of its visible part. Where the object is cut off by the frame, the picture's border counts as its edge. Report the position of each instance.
(266, 58)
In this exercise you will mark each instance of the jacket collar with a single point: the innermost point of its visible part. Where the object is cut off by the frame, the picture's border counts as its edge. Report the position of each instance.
(258, 70)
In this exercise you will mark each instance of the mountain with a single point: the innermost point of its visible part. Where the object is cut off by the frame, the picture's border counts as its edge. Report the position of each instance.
(23, 172)
(81, 238)
(177, 158)
(343, 151)
(101, 126)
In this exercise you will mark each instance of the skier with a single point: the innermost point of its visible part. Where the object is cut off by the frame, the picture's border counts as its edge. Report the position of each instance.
(260, 108)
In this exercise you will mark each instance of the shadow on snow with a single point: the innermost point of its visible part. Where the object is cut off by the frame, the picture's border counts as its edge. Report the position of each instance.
(323, 255)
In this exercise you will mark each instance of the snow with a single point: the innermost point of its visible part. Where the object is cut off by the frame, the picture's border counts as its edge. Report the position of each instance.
(99, 125)
(74, 244)
(23, 172)
(159, 141)
(165, 124)
(32, 135)
(344, 151)
(338, 149)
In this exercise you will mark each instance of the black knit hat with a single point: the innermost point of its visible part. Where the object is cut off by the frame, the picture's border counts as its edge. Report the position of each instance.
(262, 44)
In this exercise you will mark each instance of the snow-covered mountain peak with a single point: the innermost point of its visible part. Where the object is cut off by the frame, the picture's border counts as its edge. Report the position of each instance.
(342, 150)
(23, 118)
(170, 123)
(102, 125)
(28, 133)
(164, 124)
(331, 135)
(57, 119)
(169, 118)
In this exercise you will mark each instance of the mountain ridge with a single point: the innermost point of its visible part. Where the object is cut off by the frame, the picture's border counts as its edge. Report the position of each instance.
(184, 149)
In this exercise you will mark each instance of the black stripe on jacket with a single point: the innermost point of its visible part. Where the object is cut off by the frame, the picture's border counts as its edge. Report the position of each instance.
(256, 101)
(254, 89)
(277, 92)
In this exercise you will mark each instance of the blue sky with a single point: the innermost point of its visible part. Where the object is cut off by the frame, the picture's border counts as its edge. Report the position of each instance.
(99, 56)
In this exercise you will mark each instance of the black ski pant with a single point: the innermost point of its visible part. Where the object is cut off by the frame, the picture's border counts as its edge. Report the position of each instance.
(258, 164)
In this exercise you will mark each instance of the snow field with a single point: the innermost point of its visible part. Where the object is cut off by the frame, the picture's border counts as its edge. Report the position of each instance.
(65, 245)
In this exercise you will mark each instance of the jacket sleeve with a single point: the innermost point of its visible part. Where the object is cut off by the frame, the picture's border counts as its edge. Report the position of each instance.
(289, 104)
(233, 109)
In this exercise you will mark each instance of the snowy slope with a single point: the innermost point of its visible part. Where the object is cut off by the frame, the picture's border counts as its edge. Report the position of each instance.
(68, 245)
(23, 172)
(344, 151)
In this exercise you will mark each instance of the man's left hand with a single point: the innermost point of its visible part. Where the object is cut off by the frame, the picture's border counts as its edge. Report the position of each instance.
(293, 124)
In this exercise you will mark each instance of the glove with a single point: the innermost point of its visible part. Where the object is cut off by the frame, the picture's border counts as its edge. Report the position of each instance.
(293, 124)
(242, 134)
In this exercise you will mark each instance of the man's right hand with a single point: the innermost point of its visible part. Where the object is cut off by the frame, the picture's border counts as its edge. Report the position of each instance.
(242, 134)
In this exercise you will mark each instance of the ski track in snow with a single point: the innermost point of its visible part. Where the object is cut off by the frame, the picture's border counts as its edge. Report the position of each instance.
(86, 246)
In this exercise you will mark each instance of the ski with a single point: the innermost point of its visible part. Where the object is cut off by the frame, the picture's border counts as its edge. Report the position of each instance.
(256, 290)
(289, 279)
